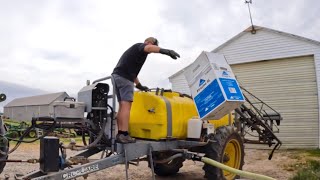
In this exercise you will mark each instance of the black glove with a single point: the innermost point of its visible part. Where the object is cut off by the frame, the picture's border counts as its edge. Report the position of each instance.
(142, 88)
(170, 53)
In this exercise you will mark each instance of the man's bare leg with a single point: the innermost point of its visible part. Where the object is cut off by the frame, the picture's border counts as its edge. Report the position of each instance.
(123, 117)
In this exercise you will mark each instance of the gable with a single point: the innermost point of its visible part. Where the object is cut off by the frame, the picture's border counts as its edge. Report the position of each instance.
(264, 45)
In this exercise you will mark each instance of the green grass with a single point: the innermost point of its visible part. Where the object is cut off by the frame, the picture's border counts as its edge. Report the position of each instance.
(314, 152)
(311, 171)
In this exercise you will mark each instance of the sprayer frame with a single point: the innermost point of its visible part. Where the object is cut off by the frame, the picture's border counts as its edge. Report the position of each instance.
(123, 152)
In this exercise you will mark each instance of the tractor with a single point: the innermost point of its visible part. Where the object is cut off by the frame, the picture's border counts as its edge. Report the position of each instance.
(16, 129)
(163, 122)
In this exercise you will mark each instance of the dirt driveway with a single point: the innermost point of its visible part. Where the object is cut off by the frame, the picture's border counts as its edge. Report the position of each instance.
(281, 167)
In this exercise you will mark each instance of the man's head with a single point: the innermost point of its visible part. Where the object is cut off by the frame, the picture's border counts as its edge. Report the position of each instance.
(152, 40)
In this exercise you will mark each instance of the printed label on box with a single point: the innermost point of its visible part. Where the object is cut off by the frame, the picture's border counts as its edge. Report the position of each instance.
(209, 98)
(231, 89)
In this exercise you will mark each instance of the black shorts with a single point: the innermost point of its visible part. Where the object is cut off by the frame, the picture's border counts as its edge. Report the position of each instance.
(124, 88)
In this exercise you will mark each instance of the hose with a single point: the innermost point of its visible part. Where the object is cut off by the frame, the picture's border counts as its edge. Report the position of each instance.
(168, 159)
(235, 171)
(93, 144)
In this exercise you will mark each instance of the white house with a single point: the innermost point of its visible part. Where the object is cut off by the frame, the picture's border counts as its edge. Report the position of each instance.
(283, 70)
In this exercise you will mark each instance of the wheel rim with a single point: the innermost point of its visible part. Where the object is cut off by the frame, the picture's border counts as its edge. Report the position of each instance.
(232, 157)
(32, 134)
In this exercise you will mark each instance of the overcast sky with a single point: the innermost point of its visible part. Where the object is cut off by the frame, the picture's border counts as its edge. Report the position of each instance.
(57, 45)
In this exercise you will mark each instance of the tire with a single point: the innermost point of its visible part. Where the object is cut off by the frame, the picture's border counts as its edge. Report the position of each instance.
(169, 168)
(227, 148)
(4, 146)
(32, 134)
(14, 134)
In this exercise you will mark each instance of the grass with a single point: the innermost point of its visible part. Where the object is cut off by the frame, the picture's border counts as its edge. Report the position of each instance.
(311, 169)
(310, 172)
(314, 152)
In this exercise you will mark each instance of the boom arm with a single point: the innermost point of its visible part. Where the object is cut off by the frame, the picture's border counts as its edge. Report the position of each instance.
(260, 118)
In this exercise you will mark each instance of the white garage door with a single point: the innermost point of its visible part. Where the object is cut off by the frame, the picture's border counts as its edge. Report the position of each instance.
(288, 86)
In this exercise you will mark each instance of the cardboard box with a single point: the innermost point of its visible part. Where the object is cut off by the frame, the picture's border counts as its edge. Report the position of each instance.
(213, 86)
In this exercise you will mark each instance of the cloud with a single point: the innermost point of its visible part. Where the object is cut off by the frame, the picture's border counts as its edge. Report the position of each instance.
(12, 91)
(58, 45)
(55, 44)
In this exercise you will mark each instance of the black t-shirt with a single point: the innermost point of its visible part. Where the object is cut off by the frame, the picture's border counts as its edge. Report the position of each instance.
(131, 62)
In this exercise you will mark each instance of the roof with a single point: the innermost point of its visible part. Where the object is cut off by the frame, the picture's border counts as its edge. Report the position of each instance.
(248, 30)
(36, 100)
(257, 28)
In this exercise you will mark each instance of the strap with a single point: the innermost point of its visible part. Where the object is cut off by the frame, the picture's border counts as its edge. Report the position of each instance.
(169, 116)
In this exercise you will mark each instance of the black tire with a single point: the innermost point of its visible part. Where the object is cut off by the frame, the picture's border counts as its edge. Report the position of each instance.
(4, 146)
(227, 148)
(169, 168)
(14, 134)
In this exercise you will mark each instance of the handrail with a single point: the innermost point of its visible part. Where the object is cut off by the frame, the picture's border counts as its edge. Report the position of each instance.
(102, 79)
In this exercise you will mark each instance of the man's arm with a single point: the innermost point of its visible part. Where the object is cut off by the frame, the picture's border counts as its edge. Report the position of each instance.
(136, 81)
(151, 48)
(139, 85)
(156, 49)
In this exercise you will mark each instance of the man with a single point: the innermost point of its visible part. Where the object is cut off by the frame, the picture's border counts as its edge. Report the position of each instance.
(125, 74)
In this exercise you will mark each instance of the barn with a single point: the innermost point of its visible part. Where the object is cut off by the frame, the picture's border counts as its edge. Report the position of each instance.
(23, 109)
(283, 70)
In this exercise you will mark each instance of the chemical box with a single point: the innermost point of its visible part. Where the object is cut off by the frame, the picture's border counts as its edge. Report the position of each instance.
(213, 86)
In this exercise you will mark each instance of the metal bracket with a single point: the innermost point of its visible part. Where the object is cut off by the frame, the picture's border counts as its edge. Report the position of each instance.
(151, 162)
(126, 163)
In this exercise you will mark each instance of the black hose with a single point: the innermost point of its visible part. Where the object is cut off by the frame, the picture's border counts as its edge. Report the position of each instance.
(169, 158)
(20, 140)
(99, 137)
(83, 135)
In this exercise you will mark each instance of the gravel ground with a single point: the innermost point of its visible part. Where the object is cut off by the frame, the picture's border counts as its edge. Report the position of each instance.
(280, 167)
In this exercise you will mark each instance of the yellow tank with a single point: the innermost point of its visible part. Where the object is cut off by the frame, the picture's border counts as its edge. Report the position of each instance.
(154, 116)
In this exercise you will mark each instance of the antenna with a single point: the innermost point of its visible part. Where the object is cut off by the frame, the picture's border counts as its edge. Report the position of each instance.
(253, 31)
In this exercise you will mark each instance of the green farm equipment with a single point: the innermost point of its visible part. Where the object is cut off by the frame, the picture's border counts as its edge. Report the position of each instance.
(16, 129)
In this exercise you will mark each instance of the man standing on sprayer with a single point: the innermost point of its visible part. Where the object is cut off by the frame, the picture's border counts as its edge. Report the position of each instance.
(125, 75)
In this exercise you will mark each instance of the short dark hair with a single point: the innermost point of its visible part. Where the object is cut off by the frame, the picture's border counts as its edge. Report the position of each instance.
(152, 40)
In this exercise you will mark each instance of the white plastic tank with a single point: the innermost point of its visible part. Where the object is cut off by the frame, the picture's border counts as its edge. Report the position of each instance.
(194, 128)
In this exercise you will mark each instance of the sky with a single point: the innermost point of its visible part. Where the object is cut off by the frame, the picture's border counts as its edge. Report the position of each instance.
(53, 46)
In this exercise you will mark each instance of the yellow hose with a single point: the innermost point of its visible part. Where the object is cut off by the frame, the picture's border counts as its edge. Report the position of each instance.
(235, 171)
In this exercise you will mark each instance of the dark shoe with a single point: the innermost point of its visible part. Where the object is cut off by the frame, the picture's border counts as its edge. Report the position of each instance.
(120, 138)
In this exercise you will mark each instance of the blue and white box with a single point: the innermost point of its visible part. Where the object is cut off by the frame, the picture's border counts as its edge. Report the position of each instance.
(213, 86)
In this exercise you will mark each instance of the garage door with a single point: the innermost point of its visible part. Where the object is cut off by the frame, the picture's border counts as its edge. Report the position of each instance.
(288, 86)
